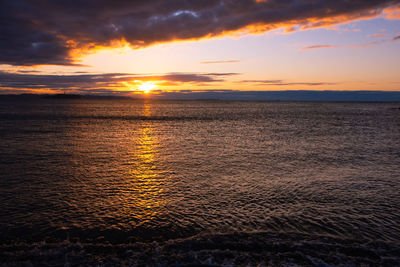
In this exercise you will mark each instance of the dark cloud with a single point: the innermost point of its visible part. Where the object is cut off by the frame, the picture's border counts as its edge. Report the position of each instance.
(223, 74)
(396, 38)
(28, 71)
(95, 82)
(45, 31)
(179, 77)
(283, 83)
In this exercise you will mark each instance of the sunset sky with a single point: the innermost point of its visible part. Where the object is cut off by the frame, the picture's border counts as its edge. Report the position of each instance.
(136, 47)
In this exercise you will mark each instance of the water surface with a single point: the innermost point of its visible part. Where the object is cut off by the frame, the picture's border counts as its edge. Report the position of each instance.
(262, 182)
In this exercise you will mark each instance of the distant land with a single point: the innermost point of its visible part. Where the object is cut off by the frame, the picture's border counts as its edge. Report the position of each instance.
(310, 96)
(324, 96)
(61, 96)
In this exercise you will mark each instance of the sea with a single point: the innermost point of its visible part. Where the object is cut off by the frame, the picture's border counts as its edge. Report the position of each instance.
(199, 183)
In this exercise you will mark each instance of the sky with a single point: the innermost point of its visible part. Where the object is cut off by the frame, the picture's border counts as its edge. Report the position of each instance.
(150, 47)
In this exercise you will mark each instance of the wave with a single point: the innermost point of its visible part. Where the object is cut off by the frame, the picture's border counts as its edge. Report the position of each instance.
(234, 249)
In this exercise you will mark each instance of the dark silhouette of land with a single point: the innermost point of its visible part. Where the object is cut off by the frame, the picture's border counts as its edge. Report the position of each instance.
(63, 96)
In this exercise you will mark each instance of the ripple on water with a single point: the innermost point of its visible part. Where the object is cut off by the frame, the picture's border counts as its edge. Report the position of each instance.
(125, 172)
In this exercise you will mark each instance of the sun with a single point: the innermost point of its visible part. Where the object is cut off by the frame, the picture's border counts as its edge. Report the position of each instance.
(146, 87)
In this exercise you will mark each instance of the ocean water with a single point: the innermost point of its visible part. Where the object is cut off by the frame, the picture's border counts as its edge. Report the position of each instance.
(120, 182)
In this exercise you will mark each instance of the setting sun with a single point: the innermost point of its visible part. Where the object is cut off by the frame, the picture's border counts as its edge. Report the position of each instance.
(146, 87)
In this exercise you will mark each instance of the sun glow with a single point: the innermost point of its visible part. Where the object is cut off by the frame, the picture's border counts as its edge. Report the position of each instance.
(146, 87)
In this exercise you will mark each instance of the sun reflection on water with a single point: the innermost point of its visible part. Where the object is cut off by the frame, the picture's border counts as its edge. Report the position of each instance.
(146, 176)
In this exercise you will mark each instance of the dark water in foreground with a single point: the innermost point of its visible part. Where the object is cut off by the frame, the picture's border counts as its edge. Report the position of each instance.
(192, 182)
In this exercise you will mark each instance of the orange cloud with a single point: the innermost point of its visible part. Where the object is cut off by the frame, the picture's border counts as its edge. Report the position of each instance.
(392, 12)
(219, 61)
(318, 47)
(379, 35)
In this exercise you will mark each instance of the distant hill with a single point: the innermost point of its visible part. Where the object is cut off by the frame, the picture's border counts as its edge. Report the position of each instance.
(310, 96)
(62, 96)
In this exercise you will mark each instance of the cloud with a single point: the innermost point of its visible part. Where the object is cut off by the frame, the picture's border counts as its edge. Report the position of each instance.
(223, 74)
(17, 81)
(374, 43)
(56, 32)
(368, 45)
(318, 47)
(283, 83)
(379, 35)
(220, 61)
(358, 46)
(392, 12)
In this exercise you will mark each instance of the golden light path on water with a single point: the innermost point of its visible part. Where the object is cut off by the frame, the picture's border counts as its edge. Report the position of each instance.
(144, 173)
(123, 188)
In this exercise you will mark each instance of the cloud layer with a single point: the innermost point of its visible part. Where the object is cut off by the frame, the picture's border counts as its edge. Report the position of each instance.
(283, 83)
(220, 62)
(50, 32)
(31, 82)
